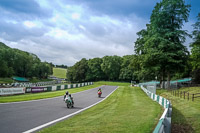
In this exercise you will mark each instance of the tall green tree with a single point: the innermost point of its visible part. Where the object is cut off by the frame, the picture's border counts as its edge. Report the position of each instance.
(164, 52)
(195, 56)
(94, 72)
(111, 67)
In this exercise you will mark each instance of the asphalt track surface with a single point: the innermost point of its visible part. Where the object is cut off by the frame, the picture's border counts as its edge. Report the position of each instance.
(22, 116)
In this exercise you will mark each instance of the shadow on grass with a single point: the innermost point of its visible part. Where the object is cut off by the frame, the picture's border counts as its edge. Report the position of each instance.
(179, 123)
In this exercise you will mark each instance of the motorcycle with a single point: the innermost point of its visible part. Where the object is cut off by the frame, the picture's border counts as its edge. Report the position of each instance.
(99, 93)
(69, 102)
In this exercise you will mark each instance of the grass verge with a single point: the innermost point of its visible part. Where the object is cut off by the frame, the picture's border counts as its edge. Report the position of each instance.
(59, 72)
(128, 110)
(6, 80)
(185, 114)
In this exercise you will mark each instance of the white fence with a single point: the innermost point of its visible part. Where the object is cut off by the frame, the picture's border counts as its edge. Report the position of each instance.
(164, 124)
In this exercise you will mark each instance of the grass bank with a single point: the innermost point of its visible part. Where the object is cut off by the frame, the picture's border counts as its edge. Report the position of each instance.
(185, 114)
(128, 110)
(59, 72)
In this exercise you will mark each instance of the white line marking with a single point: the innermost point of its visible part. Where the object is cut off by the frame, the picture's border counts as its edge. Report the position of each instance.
(49, 98)
(67, 116)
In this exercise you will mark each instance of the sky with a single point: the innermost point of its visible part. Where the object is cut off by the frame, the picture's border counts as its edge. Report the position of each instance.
(65, 31)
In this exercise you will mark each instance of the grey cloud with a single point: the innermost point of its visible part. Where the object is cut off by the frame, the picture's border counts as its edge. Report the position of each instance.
(23, 9)
(15, 32)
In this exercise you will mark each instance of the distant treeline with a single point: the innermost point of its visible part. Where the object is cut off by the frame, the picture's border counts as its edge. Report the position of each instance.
(23, 64)
(113, 68)
(61, 66)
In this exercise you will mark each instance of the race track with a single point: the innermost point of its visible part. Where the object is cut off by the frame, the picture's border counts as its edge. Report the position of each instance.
(23, 116)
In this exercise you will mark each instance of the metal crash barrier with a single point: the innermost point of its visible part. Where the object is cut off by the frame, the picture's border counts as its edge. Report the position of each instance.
(164, 124)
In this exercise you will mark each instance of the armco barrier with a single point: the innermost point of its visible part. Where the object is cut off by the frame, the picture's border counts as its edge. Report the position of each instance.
(164, 124)
(58, 87)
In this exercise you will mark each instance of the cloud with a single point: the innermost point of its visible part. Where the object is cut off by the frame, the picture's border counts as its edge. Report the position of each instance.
(63, 32)
(23, 9)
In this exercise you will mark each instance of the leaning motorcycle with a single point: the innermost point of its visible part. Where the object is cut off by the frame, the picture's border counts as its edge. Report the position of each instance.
(68, 102)
(99, 93)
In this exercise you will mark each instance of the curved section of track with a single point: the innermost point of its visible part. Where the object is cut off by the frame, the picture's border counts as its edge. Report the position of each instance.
(20, 117)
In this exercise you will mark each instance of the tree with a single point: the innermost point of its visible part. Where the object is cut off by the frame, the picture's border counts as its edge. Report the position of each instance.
(111, 67)
(77, 73)
(126, 73)
(162, 43)
(94, 72)
(195, 56)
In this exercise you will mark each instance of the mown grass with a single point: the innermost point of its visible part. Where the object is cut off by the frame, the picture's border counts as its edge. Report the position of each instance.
(113, 83)
(127, 110)
(6, 80)
(34, 80)
(59, 72)
(185, 114)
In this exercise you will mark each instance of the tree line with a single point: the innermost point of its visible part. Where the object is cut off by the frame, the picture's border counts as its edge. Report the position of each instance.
(159, 51)
(113, 68)
(14, 62)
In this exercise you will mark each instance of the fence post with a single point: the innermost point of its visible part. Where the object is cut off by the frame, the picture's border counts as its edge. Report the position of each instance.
(192, 97)
(184, 94)
(181, 95)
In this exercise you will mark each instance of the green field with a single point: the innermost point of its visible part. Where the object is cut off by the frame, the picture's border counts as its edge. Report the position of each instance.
(127, 110)
(6, 80)
(59, 72)
(185, 114)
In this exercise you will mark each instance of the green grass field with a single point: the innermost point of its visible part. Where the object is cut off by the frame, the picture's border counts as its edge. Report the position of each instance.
(185, 114)
(59, 72)
(6, 80)
(127, 110)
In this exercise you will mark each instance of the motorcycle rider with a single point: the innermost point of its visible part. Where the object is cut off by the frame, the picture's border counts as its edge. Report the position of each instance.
(70, 96)
(99, 90)
(66, 94)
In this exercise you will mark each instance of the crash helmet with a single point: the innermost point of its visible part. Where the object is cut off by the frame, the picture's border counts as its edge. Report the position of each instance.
(67, 93)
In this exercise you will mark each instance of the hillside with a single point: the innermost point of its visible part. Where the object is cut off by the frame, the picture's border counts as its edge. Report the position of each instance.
(15, 62)
(59, 72)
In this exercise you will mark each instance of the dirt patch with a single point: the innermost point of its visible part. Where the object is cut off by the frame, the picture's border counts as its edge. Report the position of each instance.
(182, 128)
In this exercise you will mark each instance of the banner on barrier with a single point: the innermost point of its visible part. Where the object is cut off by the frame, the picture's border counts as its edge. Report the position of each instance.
(11, 91)
(38, 89)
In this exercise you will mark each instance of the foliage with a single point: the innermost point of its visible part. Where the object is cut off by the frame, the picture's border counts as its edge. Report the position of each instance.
(77, 73)
(95, 72)
(195, 56)
(161, 44)
(23, 64)
(111, 67)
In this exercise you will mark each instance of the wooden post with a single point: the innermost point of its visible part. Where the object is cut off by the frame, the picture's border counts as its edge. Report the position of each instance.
(192, 97)
(181, 94)
(184, 94)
